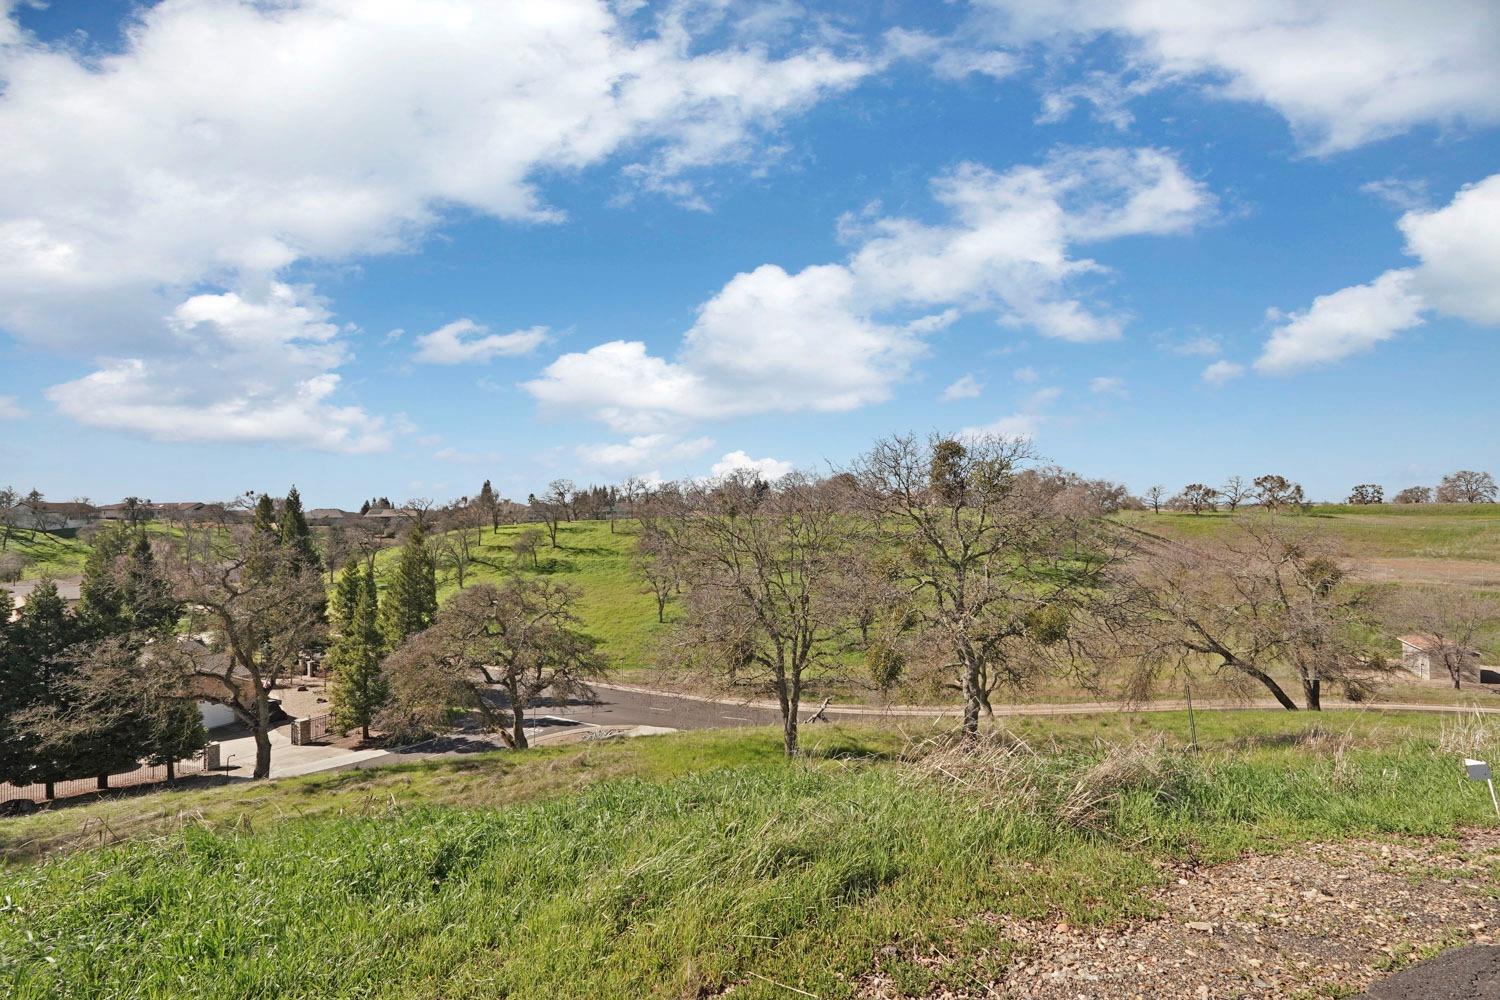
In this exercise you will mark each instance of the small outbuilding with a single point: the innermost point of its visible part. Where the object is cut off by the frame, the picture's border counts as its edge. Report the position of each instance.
(1430, 656)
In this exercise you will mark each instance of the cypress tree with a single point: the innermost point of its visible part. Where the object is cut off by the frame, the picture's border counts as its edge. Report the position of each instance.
(122, 589)
(359, 688)
(411, 599)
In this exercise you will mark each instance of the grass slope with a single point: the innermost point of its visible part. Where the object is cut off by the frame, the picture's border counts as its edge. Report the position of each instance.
(49, 555)
(613, 605)
(686, 864)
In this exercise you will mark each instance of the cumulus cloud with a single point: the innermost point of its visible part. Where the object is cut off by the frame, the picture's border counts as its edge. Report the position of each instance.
(1342, 74)
(1222, 371)
(644, 450)
(247, 369)
(466, 342)
(1457, 274)
(964, 387)
(228, 140)
(838, 336)
(769, 469)
(1024, 423)
(10, 409)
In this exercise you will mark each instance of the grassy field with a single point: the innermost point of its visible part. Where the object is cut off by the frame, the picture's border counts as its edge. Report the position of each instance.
(677, 866)
(49, 555)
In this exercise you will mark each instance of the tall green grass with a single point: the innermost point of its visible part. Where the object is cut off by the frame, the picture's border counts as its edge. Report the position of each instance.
(760, 873)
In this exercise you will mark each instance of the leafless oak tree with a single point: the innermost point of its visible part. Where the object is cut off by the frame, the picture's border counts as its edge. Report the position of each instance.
(253, 607)
(494, 650)
(1450, 619)
(990, 568)
(1272, 597)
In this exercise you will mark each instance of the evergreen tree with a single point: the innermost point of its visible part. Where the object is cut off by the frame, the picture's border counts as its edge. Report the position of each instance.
(264, 521)
(122, 588)
(294, 531)
(346, 597)
(359, 688)
(411, 600)
(488, 503)
(16, 694)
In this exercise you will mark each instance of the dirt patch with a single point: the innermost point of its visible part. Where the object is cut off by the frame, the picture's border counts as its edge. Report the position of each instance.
(1327, 920)
(1460, 572)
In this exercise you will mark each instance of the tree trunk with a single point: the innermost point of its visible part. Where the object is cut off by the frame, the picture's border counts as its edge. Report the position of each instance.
(171, 772)
(261, 730)
(1312, 689)
(364, 731)
(973, 700)
(103, 781)
(518, 727)
(1271, 685)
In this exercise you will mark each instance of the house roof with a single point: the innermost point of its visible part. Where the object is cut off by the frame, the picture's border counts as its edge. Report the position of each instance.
(1426, 642)
(59, 506)
(329, 512)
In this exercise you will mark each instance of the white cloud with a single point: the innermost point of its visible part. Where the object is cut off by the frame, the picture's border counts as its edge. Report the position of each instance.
(1014, 426)
(1341, 73)
(1458, 273)
(466, 342)
(247, 369)
(769, 469)
(1027, 374)
(10, 409)
(229, 140)
(1459, 249)
(1107, 385)
(644, 450)
(1222, 371)
(838, 336)
(964, 387)
(951, 58)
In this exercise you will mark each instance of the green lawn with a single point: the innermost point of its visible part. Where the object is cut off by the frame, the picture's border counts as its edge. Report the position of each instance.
(1427, 531)
(612, 604)
(49, 555)
(676, 866)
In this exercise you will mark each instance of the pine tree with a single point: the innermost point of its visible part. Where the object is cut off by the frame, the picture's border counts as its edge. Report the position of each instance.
(359, 688)
(411, 600)
(122, 589)
(489, 504)
(17, 685)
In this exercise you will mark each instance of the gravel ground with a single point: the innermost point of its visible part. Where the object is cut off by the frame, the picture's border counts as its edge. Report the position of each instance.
(1328, 920)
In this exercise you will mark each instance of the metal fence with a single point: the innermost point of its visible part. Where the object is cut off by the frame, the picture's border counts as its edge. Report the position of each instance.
(143, 775)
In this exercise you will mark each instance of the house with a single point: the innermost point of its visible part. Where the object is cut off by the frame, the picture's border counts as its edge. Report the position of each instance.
(388, 520)
(1428, 656)
(50, 515)
(328, 516)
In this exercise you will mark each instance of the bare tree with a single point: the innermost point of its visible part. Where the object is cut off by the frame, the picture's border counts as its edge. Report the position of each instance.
(554, 506)
(1275, 492)
(1274, 596)
(255, 607)
(1197, 498)
(1450, 621)
(991, 570)
(1156, 498)
(1235, 491)
(9, 498)
(1414, 494)
(761, 569)
(458, 546)
(526, 545)
(494, 650)
(1467, 486)
(653, 563)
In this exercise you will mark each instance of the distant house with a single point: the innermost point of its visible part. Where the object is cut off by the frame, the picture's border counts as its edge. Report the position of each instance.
(327, 516)
(388, 520)
(49, 515)
(1427, 656)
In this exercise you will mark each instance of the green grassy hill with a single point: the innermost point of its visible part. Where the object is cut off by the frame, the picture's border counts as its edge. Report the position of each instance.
(681, 865)
(49, 555)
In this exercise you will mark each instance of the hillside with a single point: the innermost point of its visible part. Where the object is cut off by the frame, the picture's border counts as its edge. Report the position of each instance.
(686, 865)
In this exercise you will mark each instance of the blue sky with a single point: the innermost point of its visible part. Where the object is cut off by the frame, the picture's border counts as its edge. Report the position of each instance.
(398, 249)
